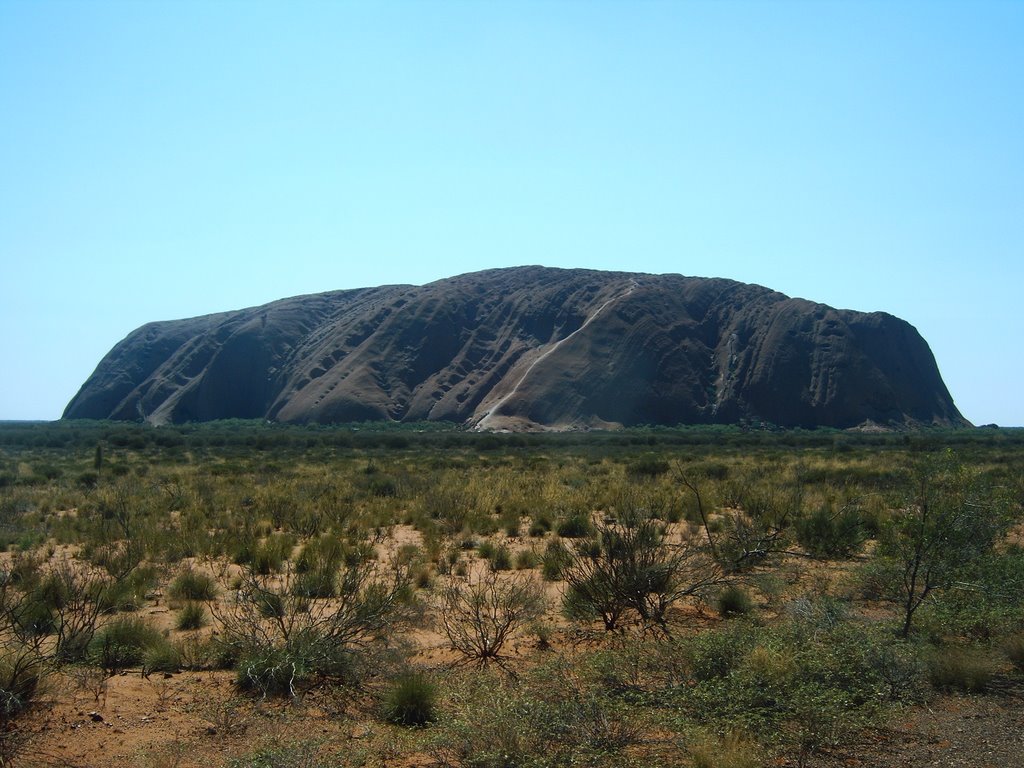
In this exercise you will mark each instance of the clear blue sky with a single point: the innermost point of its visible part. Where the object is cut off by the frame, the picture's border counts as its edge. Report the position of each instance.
(163, 160)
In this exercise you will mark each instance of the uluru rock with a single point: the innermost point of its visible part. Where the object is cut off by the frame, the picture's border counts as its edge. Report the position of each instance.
(529, 348)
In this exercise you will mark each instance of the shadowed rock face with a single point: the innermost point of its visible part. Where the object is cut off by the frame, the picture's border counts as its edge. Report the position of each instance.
(529, 348)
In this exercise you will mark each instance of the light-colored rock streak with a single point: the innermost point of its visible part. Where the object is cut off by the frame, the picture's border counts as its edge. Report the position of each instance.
(493, 410)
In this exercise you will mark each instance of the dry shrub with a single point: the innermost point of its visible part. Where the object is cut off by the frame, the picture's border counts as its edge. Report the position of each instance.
(959, 669)
(1014, 647)
(479, 615)
(731, 751)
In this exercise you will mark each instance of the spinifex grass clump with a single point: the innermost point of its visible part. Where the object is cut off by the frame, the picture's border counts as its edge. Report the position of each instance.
(124, 643)
(411, 700)
(193, 585)
(555, 558)
(501, 559)
(192, 616)
(734, 601)
(22, 674)
(1014, 647)
(828, 534)
(959, 669)
(575, 526)
(270, 555)
(318, 582)
(129, 592)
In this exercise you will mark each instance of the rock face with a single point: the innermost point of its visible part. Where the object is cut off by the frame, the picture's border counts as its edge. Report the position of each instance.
(529, 348)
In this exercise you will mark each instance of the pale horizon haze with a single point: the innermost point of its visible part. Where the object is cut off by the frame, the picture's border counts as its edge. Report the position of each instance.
(161, 160)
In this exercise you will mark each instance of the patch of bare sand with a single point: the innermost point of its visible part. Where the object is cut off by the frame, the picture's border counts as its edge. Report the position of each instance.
(951, 732)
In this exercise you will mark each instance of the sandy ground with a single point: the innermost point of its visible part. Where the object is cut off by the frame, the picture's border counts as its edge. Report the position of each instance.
(952, 732)
(198, 719)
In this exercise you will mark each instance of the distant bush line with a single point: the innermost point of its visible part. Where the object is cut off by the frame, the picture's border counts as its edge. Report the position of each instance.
(261, 435)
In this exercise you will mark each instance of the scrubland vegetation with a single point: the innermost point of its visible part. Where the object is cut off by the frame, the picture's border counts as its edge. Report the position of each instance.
(704, 597)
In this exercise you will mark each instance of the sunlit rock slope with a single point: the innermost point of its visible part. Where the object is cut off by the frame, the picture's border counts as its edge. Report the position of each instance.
(529, 348)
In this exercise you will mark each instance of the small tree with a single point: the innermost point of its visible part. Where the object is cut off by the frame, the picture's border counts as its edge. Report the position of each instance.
(478, 615)
(949, 524)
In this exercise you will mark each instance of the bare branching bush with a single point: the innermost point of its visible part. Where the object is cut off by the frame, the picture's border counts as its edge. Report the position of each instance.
(91, 680)
(227, 718)
(632, 568)
(285, 642)
(77, 603)
(25, 664)
(478, 615)
(48, 616)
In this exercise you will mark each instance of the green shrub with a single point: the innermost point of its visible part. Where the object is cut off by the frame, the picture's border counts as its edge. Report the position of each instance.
(734, 601)
(647, 468)
(197, 653)
(192, 585)
(549, 718)
(291, 754)
(327, 551)
(242, 550)
(270, 605)
(423, 578)
(35, 615)
(411, 700)
(192, 616)
(383, 487)
(540, 526)
(1014, 648)
(732, 751)
(129, 593)
(576, 526)
(269, 556)
(983, 611)
(319, 582)
(801, 684)
(556, 557)
(284, 670)
(123, 643)
(717, 654)
(486, 549)
(161, 657)
(526, 559)
(501, 560)
(272, 671)
(511, 526)
(959, 669)
(22, 674)
(828, 534)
